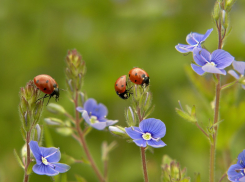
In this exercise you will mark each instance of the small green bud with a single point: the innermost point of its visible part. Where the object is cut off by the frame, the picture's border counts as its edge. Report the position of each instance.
(130, 117)
(26, 120)
(148, 101)
(216, 11)
(38, 132)
(53, 121)
(186, 115)
(65, 131)
(38, 107)
(24, 105)
(118, 131)
(56, 108)
(225, 19)
(229, 4)
(24, 151)
(137, 92)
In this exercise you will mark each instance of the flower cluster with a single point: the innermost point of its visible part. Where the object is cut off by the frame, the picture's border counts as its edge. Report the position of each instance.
(95, 114)
(214, 62)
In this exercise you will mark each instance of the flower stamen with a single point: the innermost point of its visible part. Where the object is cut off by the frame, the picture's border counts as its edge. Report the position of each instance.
(147, 136)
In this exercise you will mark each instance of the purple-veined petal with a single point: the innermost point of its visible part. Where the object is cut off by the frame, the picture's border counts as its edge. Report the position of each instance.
(51, 154)
(200, 60)
(197, 69)
(241, 159)
(204, 55)
(86, 117)
(44, 170)
(61, 168)
(80, 109)
(205, 36)
(182, 48)
(100, 111)
(36, 151)
(135, 133)
(239, 66)
(156, 144)
(190, 39)
(89, 105)
(140, 142)
(235, 172)
(221, 58)
(234, 74)
(111, 122)
(242, 179)
(99, 125)
(212, 69)
(155, 127)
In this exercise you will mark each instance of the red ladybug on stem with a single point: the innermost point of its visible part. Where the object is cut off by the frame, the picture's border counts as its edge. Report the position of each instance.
(121, 87)
(139, 77)
(47, 85)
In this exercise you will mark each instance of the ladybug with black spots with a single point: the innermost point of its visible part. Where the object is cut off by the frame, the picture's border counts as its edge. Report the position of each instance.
(47, 85)
(139, 77)
(121, 87)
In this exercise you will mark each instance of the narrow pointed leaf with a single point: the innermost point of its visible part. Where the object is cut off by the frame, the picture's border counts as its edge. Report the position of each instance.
(185, 115)
(18, 159)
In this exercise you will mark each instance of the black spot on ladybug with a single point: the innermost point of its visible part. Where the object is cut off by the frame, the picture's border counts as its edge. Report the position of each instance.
(45, 89)
(135, 81)
(47, 81)
(116, 84)
(129, 75)
(37, 81)
(54, 85)
(135, 74)
(122, 85)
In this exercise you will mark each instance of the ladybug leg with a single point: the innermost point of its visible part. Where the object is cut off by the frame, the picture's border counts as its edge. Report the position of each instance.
(49, 99)
(45, 96)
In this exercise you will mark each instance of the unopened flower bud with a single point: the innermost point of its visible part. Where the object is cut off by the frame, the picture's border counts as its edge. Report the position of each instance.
(130, 117)
(118, 131)
(53, 121)
(229, 4)
(37, 133)
(216, 11)
(225, 19)
(56, 108)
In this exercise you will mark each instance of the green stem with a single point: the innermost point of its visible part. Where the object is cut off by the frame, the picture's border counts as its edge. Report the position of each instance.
(143, 158)
(28, 159)
(84, 144)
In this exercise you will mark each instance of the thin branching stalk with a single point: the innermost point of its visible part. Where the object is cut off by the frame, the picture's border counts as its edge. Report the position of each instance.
(28, 159)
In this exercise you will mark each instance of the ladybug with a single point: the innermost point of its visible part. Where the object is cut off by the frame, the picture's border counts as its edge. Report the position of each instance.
(139, 77)
(121, 87)
(47, 85)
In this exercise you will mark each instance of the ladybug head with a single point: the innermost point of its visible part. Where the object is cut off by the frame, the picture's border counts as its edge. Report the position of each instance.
(56, 94)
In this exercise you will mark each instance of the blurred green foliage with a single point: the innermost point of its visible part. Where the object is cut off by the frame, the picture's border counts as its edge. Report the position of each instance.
(114, 36)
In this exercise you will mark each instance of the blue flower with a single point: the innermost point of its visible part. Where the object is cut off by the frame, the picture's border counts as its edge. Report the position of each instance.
(211, 63)
(47, 160)
(236, 171)
(95, 114)
(239, 66)
(149, 132)
(194, 40)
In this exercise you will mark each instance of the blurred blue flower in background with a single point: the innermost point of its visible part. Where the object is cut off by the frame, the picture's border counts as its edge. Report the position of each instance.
(149, 132)
(236, 171)
(239, 66)
(95, 114)
(47, 160)
(194, 40)
(211, 63)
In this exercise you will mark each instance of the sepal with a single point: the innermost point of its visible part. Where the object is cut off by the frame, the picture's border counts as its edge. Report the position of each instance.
(119, 131)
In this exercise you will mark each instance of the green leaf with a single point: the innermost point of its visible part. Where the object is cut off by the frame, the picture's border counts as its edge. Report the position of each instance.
(198, 178)
(18, 159)
(80, 179)
(185, 115)
(29, 169)
(188, 108)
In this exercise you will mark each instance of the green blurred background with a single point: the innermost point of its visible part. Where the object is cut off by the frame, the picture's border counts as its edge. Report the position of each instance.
(114, 36)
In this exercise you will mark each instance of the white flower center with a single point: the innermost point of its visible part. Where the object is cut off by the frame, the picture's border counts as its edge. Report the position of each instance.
(44, 161)
(147, 136)
(93, 119)
(211, 63)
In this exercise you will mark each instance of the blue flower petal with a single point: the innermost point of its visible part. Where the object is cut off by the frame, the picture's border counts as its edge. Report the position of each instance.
(197, 69)
(241, 159)
(207, 34)
(155, 127)
(156, 144)
(89, 105)
(100, 111)
(234, 74)
(200, 60)
(44, 170)
(80, 109)
(212, 69)
(111, 122)
(232, 173)
(61, 168)
(140, 142)
(51, 154)
(221, 58)
(36, 151)
(134, 134)
(182, 48)
(190, 39)
(99, 125)
(86, 117)
(239, 66)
